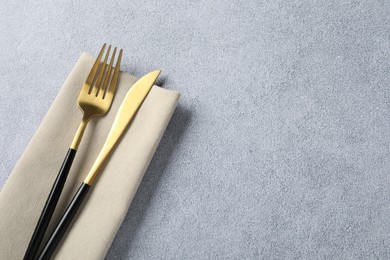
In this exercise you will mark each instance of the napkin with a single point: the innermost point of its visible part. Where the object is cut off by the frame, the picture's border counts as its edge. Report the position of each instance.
(94, 228)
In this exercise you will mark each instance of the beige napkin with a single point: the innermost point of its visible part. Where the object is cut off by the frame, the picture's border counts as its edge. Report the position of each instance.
(25, 192)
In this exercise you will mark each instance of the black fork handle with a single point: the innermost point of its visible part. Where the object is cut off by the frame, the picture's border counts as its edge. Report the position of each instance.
(50, 205)
(64, 223)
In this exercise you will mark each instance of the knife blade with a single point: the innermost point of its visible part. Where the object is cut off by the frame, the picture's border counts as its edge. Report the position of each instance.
(133, 99)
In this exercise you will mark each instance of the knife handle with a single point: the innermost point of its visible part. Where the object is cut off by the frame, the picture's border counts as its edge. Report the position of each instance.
(65, 221)
(50, 205)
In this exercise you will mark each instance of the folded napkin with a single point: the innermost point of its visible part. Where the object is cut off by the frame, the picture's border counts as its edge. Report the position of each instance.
(94, 228)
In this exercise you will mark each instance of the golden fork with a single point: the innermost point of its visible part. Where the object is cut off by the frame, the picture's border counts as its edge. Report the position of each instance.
(94, 100)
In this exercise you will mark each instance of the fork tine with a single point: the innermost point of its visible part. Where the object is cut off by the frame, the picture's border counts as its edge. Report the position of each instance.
(111, 89)
(96, 86)
(91, 75)
(107, 76)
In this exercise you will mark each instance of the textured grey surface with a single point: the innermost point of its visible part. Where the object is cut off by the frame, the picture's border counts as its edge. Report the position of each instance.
(279, 148)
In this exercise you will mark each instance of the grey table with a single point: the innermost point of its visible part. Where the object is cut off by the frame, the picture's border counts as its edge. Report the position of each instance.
(279, 148)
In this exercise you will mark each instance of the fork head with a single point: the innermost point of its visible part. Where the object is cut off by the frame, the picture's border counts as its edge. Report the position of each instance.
(98, 90)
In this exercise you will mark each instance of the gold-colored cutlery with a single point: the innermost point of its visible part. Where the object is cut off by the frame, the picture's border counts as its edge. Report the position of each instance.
(95, 99)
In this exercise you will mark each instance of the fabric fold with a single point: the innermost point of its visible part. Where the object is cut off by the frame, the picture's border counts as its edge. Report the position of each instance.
(24, 194)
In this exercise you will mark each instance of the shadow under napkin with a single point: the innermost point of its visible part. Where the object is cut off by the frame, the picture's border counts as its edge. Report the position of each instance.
(138, 209)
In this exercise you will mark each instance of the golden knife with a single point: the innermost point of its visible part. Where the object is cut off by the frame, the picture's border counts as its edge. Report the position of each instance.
(132, 101)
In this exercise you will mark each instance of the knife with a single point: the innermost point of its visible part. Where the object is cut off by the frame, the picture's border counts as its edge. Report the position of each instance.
(132, 101)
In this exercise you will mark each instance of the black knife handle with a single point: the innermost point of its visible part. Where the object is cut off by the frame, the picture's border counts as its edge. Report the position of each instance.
(50, 205)
(65, 221)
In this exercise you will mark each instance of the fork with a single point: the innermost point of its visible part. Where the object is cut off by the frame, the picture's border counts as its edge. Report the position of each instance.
(94, 100)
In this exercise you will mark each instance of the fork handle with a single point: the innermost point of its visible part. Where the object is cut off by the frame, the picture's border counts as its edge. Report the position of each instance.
(50, 205)
(65, 221)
